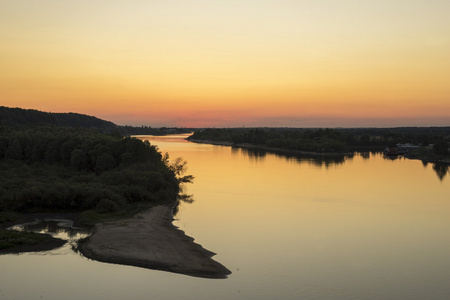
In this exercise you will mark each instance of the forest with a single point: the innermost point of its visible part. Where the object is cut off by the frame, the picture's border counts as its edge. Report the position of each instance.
(326, 140)
(30, 117)
(46, 169)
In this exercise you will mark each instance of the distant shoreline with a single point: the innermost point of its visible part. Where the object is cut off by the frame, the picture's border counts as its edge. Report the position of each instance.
(425, 157)
(271, 149)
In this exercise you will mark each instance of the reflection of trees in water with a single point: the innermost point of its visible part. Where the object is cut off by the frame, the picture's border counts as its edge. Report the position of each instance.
(365, 155)
(325, 161)
(55, 227)
(235, 150)
(252, 153)
(392, 157)
(182, 198)
(441, 170)
(316, 160)
(186, 198)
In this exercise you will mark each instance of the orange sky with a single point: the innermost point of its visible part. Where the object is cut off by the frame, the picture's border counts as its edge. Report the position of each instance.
(230, 63)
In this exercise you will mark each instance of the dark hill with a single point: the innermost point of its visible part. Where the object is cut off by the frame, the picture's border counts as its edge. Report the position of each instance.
(30, 117)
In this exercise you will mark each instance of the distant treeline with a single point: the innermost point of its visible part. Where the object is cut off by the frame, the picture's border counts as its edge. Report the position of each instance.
(73, 169)
(31, 117)
(146, 130)
(324, 140)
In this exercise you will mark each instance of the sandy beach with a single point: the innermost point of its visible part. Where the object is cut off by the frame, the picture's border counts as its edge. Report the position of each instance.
(150, 240)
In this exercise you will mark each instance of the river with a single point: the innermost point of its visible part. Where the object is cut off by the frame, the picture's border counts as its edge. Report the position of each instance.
(364, 227)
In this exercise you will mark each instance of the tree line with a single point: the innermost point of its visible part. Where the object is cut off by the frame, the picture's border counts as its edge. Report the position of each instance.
(74, 169)
(31, 117)
(326, 140)
(26, 117)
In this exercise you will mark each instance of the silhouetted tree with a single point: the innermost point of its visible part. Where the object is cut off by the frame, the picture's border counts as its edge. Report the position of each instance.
(14, 151)
(441, 147)
(104, 162)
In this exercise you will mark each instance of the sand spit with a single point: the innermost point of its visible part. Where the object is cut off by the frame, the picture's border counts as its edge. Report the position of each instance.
(150, 240)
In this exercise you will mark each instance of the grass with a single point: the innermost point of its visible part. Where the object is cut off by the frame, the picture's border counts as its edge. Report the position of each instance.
(7, 216)
(91, 217)
(12, 238)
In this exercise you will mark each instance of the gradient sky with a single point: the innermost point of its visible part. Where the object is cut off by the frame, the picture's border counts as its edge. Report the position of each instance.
(296, 63)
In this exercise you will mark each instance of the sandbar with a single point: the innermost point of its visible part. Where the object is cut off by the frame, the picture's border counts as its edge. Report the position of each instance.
(150, 240)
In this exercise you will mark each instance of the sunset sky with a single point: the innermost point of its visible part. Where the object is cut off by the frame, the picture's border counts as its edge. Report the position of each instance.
(227, 63)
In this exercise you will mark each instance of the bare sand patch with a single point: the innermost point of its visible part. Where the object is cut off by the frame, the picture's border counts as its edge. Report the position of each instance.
(150, 240)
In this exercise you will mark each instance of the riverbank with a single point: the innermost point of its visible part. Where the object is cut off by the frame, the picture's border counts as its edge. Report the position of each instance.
(427, 155)
(22, 244)
(423, 154)
(13, 242)
(150, 240)
(272, 149)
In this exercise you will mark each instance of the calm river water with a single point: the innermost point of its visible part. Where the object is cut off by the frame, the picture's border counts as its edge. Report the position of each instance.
(288, 228)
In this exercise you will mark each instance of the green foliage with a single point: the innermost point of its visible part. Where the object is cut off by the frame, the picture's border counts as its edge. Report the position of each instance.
(92, 216)
(104, 162)
(325, 140)
(30, 117)
(145, 130)
(320, 140)
(12, 238)
(14, 151)
(26, 117)
(7, 216)
(67, 169)
(106, 206)
(441, 147)
(178, 167)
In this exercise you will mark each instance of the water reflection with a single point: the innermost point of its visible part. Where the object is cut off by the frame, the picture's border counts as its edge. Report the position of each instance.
(392, 157)
(253, 153)
(365, 155)
(441, 170)
(57, 228)
(371, 229)
(182, 198)
(258, 155)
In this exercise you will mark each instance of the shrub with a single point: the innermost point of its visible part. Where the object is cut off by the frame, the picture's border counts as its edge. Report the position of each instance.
(106, 206)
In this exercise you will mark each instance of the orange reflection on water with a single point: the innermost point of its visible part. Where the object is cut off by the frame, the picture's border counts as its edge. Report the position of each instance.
(368, 222)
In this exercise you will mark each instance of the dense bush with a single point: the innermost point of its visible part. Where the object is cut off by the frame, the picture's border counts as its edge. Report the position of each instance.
(11, 238)
(320, 140)
(54, 168)
(441, 147)
(326, 140)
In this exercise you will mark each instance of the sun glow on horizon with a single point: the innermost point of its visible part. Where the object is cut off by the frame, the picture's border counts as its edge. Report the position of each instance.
(260, 63)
